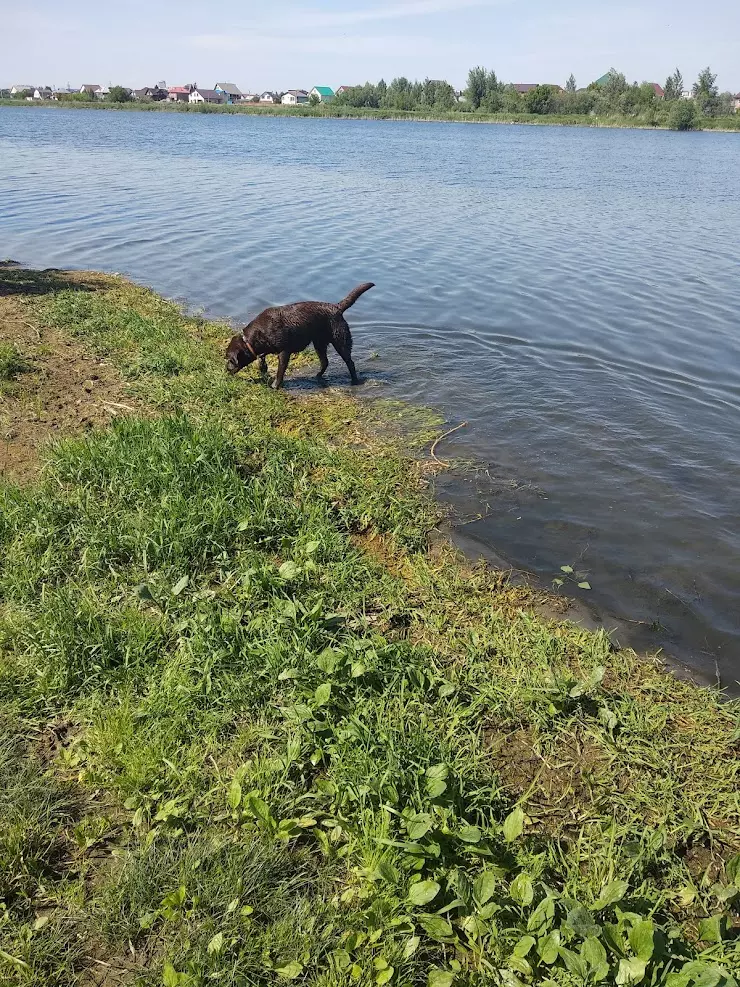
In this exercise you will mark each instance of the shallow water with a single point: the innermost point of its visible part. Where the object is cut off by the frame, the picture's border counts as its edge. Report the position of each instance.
(572, 294)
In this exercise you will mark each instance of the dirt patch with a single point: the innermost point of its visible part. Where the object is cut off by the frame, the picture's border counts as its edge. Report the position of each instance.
(60, 390)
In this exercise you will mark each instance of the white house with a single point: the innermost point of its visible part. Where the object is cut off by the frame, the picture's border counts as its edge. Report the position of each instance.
(102, 92)
(14, 90)
(268, 97)
(230, 92)
(89, 89)
(42, 92)
(206, 96)
(294, 97)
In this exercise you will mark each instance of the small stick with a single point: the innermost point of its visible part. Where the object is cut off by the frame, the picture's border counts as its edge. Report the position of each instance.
(35, 328)
(117, 404)
(439, 439)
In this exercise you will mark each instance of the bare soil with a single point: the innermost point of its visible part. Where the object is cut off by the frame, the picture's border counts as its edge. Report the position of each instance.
(63, 390)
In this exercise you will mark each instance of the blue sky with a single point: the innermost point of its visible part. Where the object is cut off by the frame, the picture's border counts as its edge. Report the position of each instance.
(289, 44)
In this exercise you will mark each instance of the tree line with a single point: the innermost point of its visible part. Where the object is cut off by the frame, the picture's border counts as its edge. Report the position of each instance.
(486, 93)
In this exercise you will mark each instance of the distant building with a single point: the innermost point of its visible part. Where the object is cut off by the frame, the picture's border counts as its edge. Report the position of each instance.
(525, 87)
(658, 90)
(42, 92)
(268, 97)
(206, 96)
(89, 89)
(343, 89)
(294, 97)
(180, 94)
(156, 93)
(324, 93)
(102, 92)
(230, 92)
(687, 94)
(61, 93)
(606, 78)
(20, 88)
(736, 102)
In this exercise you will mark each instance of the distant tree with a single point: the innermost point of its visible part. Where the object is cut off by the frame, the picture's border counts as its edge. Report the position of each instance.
(23, 94)
(683, 115)
(119, 94)
(313, 100)
(673, 87)
(706, 92)
(614, 88)
(540, 99)
(491, 101)
(570, 85)
(476, 89)
(725, 104)
(381, 90)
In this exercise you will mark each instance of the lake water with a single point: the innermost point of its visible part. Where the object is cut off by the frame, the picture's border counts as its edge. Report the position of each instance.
(574, 295)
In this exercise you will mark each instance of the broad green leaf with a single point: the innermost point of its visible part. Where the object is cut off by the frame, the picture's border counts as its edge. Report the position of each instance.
(418, 825)
(641, 939)
(573, 962)
(440, 978)
(170, 976)
(732, 869)
(710, 930)
(435, 788)
(519, 964)
(260, 809)
(216, 944)
(423, 892)
(180, 585)
(235, 793)
(513, 825)
(289, 970)
(342, 958)
(311, 547)
(288, 570)
(611, 894)
(410, 947)
(542, 916)
(144, 593)
(521, 889)
(387, 871)
(631, 971)
(435, 927)
(289, 673)
(437, 772)
(322, 694)
(547, 948)
(524, 945)
(566, 568)
(484, 887)
(581, 922)
(470, 834)
(584, 585)
(594, 955)
(383, 976)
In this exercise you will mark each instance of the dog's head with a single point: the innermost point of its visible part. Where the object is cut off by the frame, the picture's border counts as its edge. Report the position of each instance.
(238, 355)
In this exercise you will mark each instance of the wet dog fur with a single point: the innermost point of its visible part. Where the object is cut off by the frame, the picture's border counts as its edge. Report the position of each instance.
(288, 329)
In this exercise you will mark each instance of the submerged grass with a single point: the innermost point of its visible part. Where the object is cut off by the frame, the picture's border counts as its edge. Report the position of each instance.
(255, 729)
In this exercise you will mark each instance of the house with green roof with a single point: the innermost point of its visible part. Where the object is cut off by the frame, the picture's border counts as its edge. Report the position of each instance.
(606, 78)
(324, 93)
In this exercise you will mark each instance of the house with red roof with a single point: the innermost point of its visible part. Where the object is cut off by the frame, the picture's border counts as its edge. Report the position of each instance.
(179, 94)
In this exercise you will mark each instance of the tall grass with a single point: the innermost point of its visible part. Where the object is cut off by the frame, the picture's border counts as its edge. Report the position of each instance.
(301, 745)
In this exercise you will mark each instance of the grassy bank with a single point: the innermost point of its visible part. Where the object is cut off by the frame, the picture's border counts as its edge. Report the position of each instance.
(330, 111)
(255, 729)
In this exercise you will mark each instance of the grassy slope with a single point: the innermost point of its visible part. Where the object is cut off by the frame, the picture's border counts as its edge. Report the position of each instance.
(254, 729)
(646, 122)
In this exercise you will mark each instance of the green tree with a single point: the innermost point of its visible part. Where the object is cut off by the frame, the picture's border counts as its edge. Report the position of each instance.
(119, 94)
(706, 92)
(570, 85)
(682, 115)
(313, 100)
(673, 87)
(540, 99)
(491, 101)
(476, 90)
(725, 104)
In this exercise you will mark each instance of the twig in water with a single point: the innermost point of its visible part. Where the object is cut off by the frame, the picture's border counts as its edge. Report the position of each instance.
(439, 439)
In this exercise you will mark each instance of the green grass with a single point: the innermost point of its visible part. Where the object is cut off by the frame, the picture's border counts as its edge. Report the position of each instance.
(292, 742)
(649, 121)
(12, 362)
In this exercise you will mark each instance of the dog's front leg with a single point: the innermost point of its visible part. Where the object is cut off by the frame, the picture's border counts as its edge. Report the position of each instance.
(283, 360)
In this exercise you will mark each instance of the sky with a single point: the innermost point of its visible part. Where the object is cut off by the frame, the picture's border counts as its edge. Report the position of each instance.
(288, 44)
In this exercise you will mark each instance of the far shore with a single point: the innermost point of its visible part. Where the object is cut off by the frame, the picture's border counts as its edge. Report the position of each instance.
(730, 124)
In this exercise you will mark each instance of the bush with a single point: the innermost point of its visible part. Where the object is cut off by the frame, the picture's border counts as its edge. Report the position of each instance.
(683, 115)
(119, 94)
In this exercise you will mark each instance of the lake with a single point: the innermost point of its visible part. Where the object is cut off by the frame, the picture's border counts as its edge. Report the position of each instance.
(572, 294)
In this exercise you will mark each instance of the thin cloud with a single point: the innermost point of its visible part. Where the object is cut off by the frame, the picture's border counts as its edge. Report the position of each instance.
(356, 44)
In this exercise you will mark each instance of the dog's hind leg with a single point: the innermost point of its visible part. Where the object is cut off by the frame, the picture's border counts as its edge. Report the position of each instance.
(321, 352)
(342, 342)
(283, 360)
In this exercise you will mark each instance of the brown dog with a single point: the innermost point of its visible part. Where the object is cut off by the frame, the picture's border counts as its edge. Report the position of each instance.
(288, 329)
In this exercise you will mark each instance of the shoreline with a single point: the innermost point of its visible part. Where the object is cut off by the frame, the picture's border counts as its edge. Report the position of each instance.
(272, 727)
(352, 113)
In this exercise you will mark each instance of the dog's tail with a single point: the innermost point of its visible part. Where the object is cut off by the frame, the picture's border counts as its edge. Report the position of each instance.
(354, 295)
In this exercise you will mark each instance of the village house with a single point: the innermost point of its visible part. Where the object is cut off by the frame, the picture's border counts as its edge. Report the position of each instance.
(102, 92)
(658, 90)
(180, 94)
(89, 89)
(156, 93)
(324, 93)
(61, 93)
(268, 97)
(20, 88)
(294, 97)
(736, 102)
(42, 92)
(230, 92)
(206, 96)
(343, 89)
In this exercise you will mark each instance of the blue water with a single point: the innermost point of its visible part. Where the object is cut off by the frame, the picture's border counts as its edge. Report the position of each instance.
(574, 295)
